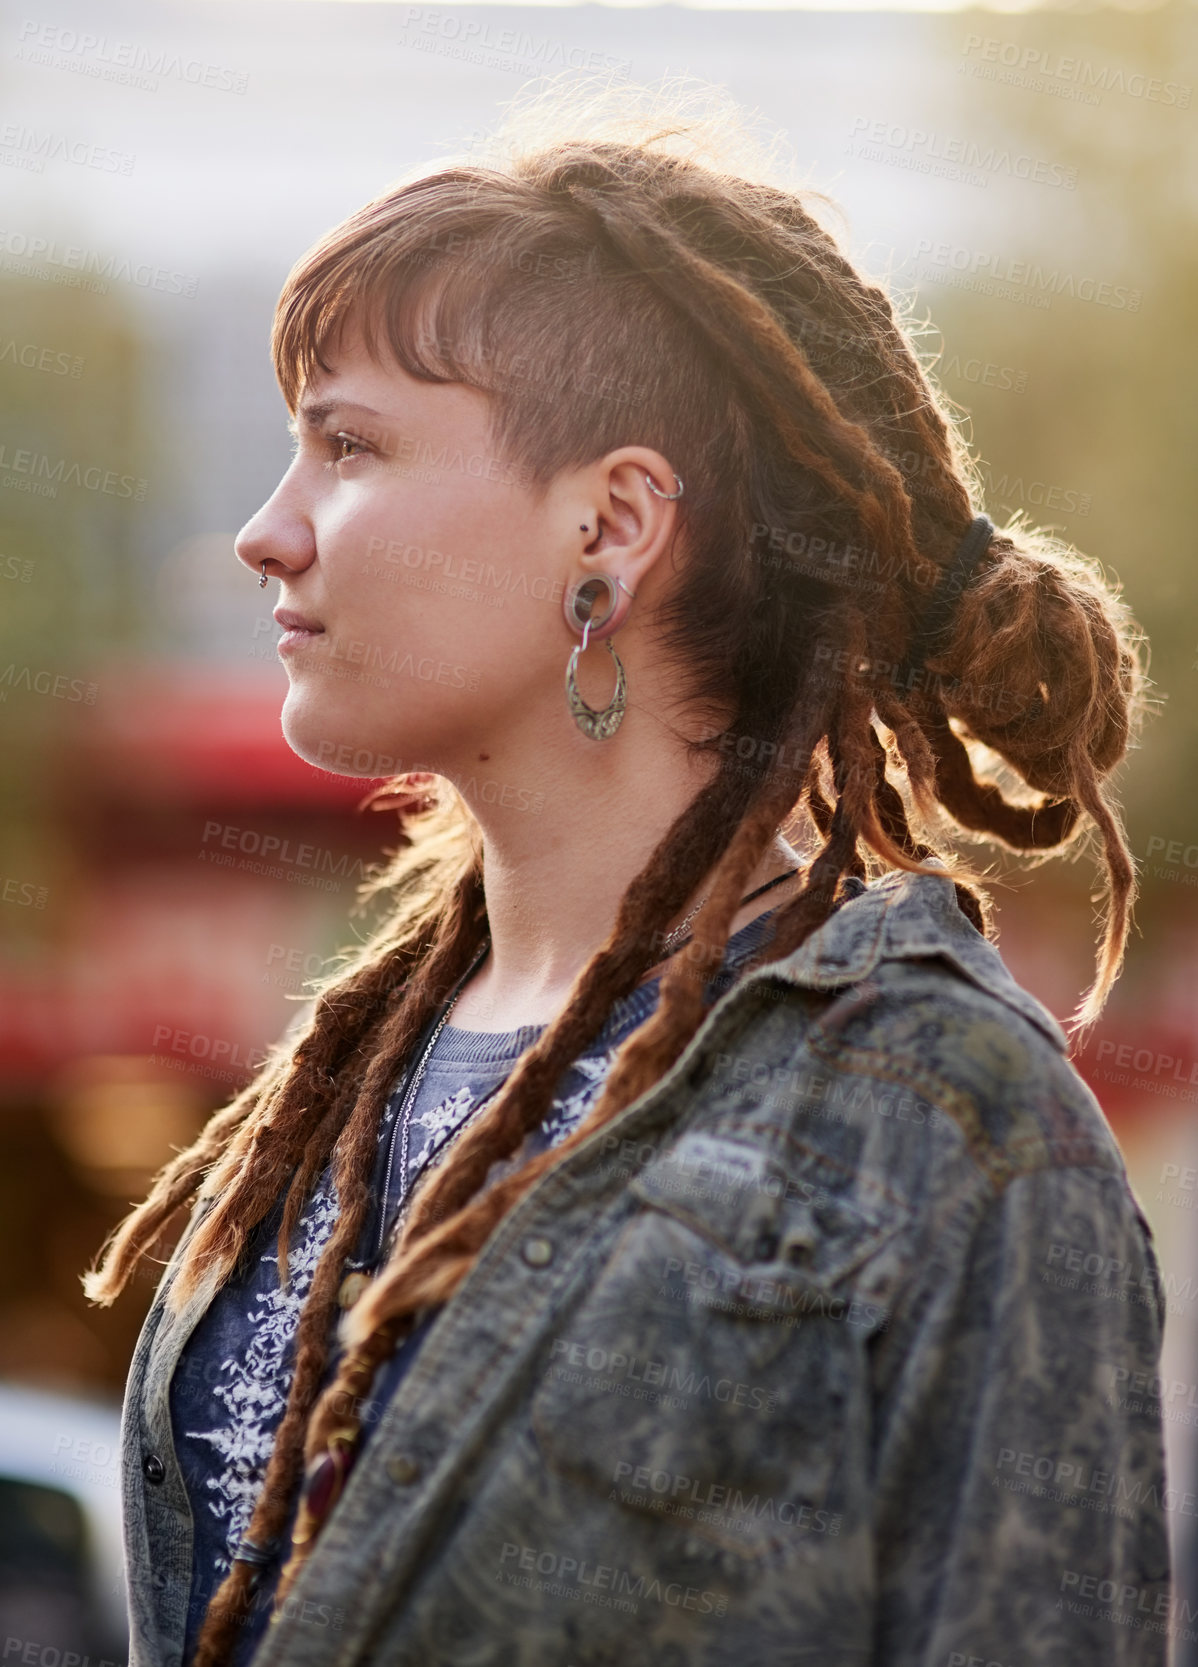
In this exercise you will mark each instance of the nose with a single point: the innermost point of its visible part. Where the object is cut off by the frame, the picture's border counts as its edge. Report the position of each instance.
(278, 537)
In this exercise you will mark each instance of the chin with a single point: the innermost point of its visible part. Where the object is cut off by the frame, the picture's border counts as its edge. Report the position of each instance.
(319, 737)
(309, 732)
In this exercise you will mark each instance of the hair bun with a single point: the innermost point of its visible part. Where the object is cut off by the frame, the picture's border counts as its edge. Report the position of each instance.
(1043, 665)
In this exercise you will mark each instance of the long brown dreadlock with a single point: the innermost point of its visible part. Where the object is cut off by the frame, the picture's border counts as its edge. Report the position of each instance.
(732, 334)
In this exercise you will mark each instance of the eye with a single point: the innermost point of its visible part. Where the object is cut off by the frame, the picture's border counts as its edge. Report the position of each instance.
(344, 446)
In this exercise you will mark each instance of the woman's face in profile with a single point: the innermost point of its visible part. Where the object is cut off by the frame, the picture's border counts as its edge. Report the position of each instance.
(428, 577)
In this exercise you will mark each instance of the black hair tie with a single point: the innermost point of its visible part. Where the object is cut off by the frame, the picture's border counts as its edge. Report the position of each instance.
(956, 580)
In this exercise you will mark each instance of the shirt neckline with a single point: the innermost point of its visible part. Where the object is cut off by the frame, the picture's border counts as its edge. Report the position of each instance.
(460, 1046)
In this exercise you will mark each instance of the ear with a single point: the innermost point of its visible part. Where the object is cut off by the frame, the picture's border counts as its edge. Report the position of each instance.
(632, 527)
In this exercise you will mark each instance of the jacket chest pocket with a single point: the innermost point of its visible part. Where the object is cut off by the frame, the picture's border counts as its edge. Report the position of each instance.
(712, 1375)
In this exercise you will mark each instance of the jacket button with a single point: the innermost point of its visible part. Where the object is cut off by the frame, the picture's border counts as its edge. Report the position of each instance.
(537, 1251)
(152, 1468)
(402, 1469)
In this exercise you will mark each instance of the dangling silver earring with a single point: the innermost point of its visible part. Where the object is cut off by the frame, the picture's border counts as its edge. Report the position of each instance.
(660, 493)
(597, 722)
(262, 580)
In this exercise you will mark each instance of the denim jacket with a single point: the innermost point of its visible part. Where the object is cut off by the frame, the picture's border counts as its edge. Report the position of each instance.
(816, 1353)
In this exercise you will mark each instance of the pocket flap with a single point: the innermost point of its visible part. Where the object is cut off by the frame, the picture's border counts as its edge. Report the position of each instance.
(759, 1211)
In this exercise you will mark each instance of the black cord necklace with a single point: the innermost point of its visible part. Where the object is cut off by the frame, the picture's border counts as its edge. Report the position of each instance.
(672, 942)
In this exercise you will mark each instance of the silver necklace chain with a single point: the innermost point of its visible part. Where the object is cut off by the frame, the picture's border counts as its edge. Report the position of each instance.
(403, 1122)
(672, 939)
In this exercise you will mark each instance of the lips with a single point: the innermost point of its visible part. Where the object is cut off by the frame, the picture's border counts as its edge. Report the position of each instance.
(291, 621)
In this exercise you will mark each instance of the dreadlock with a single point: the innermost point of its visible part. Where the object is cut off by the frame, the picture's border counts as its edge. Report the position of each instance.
(742, 343)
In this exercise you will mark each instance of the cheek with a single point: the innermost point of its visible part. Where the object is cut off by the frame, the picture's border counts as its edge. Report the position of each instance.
(354, 541)
(447, 586)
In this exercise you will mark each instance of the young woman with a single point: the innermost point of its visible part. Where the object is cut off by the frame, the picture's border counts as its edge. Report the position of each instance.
(662, 1242)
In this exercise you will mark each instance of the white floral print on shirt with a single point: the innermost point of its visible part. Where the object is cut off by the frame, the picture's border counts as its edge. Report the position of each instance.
(254, 1388)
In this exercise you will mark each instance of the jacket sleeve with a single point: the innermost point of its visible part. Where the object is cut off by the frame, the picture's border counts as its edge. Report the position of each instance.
(1022, 1505)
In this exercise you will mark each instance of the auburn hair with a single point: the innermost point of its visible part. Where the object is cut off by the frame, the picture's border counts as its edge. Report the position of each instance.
(604, 288)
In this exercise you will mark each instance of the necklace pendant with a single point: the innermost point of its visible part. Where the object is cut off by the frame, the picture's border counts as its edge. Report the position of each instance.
(351, 1289)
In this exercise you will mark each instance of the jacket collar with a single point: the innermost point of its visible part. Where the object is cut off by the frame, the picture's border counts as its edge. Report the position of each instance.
(907, 917)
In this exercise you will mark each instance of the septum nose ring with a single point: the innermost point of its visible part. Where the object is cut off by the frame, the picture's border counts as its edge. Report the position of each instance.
(262, 580)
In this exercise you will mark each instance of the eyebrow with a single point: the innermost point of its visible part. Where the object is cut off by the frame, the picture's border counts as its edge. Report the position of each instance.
(315, 414)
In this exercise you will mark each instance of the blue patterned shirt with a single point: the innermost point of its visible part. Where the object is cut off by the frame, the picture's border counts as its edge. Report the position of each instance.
(230, 1387)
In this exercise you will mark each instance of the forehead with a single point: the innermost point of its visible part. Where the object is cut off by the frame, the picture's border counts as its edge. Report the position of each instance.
(354, 373)
(375, 389)
(382, 326)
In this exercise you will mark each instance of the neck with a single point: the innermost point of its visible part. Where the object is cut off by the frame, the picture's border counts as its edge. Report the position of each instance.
(555, 879)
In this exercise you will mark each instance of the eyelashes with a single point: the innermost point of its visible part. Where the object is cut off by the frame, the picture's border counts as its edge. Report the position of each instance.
(335, 443)
(341, 447)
